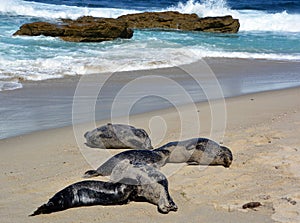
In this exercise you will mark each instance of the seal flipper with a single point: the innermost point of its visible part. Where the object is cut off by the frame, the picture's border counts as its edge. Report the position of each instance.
(41, 210)
(46, 209)
(62, 200)
(91, 173)
(56, 203)
(192, 162)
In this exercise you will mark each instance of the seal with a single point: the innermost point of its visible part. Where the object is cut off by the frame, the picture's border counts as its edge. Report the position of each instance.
(138, 182)
(118, 136)
(198, 151)
(152, 185)
(87, 193)
(156, 159)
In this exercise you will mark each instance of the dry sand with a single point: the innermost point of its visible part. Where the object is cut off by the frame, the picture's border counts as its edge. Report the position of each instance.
(262, 131)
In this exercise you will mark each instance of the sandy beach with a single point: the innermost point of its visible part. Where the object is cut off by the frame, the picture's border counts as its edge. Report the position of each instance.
(262, 130)
(235, 80)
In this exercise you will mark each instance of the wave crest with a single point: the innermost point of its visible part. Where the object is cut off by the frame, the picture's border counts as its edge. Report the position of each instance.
(250, 20)
(42, 10)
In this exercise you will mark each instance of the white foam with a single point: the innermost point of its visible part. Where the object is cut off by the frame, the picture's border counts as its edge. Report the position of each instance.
(201, 53)
(123, 57)
(127, 57)
(207, 8)
(33, 9)
(9, 85)
(250, 20)
(135, 54)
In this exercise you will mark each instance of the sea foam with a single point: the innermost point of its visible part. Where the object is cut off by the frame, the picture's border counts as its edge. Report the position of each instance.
(250, 20)
(42, 10)
(40, 58)
(9, 85)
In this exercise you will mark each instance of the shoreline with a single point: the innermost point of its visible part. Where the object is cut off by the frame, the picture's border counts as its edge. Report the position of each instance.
(204, 104)
(48, 104)
(261, 132)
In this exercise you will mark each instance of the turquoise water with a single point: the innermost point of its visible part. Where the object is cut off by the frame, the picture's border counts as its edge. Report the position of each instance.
(270, 31)
(266, 32)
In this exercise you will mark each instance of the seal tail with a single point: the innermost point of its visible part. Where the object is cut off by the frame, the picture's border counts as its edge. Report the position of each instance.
(91, 173)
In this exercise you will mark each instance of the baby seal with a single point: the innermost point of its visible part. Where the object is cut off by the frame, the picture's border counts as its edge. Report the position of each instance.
(198, 151)
(155, 158)
(152, 185)
(118, 136)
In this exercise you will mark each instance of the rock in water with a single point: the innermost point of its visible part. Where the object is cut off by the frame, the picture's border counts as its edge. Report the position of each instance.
(92, 29)
(176, 20)
(84, 29)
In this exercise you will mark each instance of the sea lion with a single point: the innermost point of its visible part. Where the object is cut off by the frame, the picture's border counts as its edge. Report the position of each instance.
(197, 151)
(152, 185)
(149, 157)
(137, 182)
(118, 136)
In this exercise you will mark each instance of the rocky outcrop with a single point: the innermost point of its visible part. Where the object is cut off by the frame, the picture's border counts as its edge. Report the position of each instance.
(176, 20)
(84, 29)
(91, 29)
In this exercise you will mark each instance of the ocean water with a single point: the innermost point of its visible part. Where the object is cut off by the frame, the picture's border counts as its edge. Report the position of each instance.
(269, 30)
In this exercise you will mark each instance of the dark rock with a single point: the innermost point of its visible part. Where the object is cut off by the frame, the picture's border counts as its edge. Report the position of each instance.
(84, 29)
(176, 20)
(91, 29)
(251, 205)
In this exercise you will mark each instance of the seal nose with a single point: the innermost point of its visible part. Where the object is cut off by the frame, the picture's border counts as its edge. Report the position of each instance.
(227, 159)
(227, 163)
(227, 156)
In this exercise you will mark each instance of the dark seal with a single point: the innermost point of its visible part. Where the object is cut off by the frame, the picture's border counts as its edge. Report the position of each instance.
(149, 157)
(197, 151)
(137, 182)
(118, 136)
(87, 193)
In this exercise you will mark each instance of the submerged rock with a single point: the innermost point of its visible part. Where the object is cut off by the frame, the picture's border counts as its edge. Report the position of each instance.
(92, 29)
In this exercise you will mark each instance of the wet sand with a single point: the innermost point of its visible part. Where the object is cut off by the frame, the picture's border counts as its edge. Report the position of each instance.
(262, 130)
(48, 104)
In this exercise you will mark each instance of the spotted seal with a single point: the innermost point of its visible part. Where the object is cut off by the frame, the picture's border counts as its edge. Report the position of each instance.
(198, 151)
(118, 136)
(129, 182)
(155, 158)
